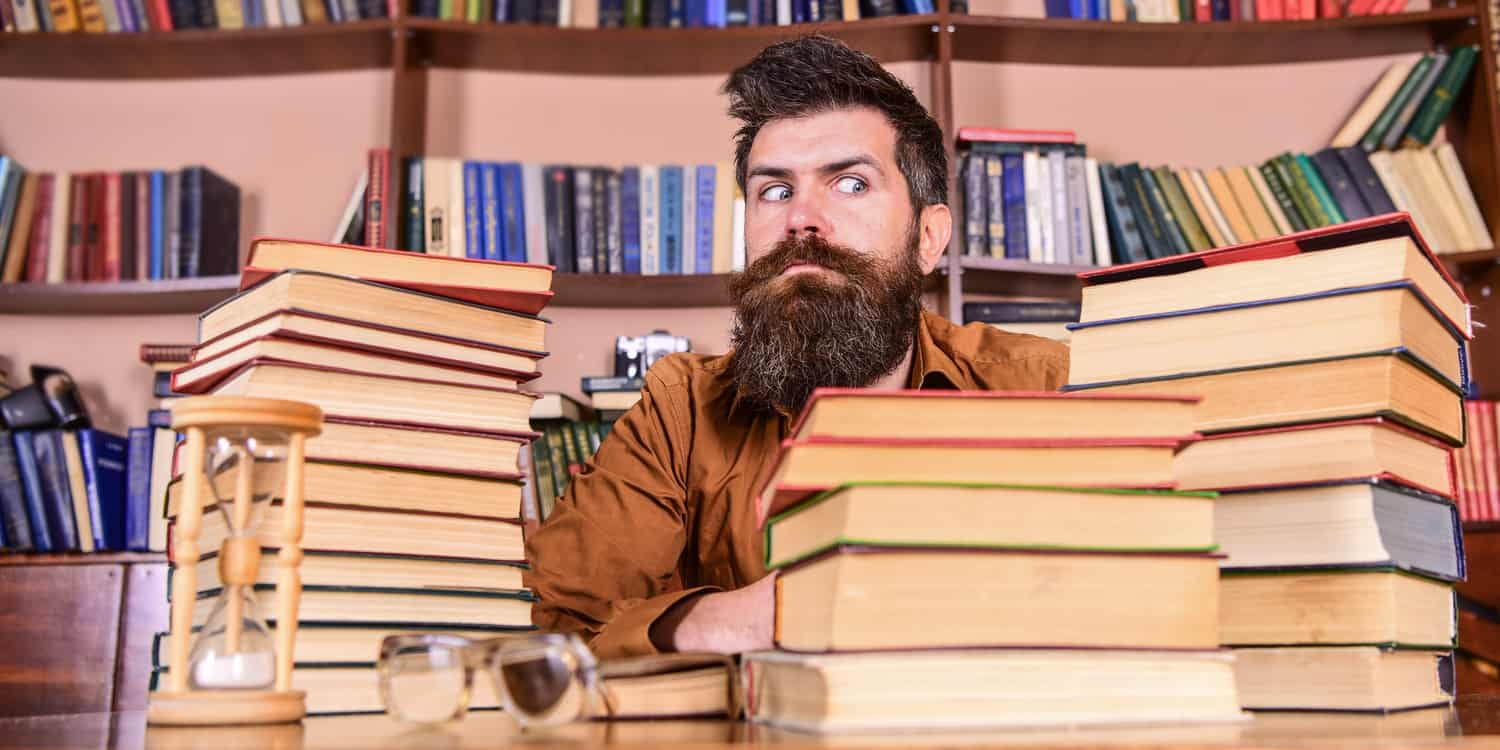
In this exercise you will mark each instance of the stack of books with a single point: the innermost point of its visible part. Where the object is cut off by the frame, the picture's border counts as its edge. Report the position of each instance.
(642, 219)
(988, 559)
(60, 227)
(414, 490)
(1331, 364)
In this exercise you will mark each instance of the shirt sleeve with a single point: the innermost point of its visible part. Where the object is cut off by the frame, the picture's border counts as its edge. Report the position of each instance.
(604, 564)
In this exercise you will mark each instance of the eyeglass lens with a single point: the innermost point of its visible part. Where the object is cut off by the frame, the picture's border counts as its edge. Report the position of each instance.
(426, 683)
(536, 678)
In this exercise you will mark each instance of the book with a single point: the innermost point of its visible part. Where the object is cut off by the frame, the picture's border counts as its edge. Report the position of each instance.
(495, 494)
(1389, 384)
(981, 689)
(1425, 85)
(411, 446)
(104, 461)
(58, 512)
(559, 406)
(383, 398)
(1373, 138)
(1435, 108)
(210, 244)
(456, 608)
(850, 414)
(1355, 678)
(1370, 107)
(361, 336)
(201, 376)
(1453, 172)
(865, 598)
(320, 645)
(137, 490)
(1021, 312)
(1364, 522)
(975, 515)
(1322, 325)
(29, 472)
(1345, 607)
(513, 286)
(376, 304)
(362, 570)
(13, 501)
(1366, 181)
(1319, 452)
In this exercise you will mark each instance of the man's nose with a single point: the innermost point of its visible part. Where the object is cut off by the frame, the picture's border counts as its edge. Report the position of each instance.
(806, 215)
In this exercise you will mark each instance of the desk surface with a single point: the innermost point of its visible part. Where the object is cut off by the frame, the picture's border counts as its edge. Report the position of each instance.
(1473, 723)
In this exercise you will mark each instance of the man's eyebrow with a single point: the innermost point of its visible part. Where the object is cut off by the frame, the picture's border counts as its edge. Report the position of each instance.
(838, 166)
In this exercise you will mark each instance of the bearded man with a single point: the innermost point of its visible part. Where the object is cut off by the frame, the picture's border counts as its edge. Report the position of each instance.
(655, 545)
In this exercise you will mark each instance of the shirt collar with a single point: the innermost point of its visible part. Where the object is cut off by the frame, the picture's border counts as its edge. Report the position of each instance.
(931, 366)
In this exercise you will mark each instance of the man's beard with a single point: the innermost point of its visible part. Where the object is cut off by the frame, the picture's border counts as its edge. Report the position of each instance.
(818, 330)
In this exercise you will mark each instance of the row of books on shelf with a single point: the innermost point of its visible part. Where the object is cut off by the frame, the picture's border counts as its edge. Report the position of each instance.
(1409, 102)
(1207, 11)
(647, 219)
(110, 16)
(1050, 204)
(76, 490)
(60, 227)
(673, 14)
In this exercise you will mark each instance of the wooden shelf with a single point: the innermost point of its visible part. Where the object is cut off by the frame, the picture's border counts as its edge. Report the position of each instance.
(1068, 42)
(646, 52)
(79, 558)
(198, 54)
(118, 298)
(1019, 278)
(633, 290)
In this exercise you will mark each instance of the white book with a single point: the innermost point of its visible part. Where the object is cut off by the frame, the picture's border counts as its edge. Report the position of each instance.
(1386, 171)
(458, 238)
(1278, 217)
(738, 246)
(291, 13)
(689, 219)
(1430, 219)
(1031, 174)
(1369, 108)
(1080, 244)
(25, 14)
(1096, 212)
(111, 14)
(565, 14)
(351, 208)
(436, 174)
(1044, 209)
(1424, 162)
(650, 221)
(1057, 179)
(273, 13)
(57, 238)
(1453, 171)
(783, 12)
(1216, 214)
(724, 194)
(1403, 194)
(534, 201)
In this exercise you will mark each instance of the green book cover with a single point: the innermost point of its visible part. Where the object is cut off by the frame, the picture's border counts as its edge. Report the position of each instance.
(471, 10)
(635, 13)
(1376, 133)
(541, 466)
(1301, 191)
(445, 10)
(1158, 200)
(1283, 197)
(1182, 210)
(1320, 189)
(1440, 102)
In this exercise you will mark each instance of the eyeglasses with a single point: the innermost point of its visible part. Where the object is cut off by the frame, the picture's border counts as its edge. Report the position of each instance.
(541, 680)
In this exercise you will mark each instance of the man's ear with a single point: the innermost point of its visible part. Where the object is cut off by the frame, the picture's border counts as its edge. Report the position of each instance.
(933, 234)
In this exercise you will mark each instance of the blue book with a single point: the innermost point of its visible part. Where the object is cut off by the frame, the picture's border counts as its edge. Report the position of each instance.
(489, 211)
(1078, 9)
(697, 13)
(57, 493)
(630, 219)
(105, 457)
(31, 489)
(1059, 8)
(703, 258)
(138, 489)
(13, 516)
(512, 213)
(676, 13)
(473, 199)
(158, 235)
(671, 219)
(1013, 204)
(718, 13)
(802, 10)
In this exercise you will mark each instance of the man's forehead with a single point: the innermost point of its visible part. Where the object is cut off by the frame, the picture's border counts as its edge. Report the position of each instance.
(823, 138)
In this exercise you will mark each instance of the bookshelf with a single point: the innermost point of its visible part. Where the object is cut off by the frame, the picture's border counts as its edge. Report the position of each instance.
(424, 86)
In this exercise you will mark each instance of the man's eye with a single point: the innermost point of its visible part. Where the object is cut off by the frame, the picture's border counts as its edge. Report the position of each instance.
(776, 193)
(851, 185)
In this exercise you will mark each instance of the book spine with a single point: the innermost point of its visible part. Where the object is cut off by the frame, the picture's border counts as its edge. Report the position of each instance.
(57, 494)
(512, 213)
(158, 250)
(994, 208)
(1079, 239)
(13, 497)
(583, 220)
(1013, 203)
(1340, 185)
(41, 221)
(670, 217)
(635, 14)
(650, 220)
(490, 220)
(704, 226)
(1182, 211)
(534, 205)
(127, 211)
(630, 220)
(31, 486)
(1439, 103)
(737, 12)
(600, 187)
(1319, 189)
(109, 240)
(138, 489)
(88, 453)
(1376, 134)
(76, 248)
(1124, 235)
(191, 218)
(1153, 234)
(473, 203)
(976, 242)
(560, 218)
(614, 222)
(1301, 191)
(1176, 241)
(1366, 181)
(415, 224)
(375, 198)
(64, 15)
(1419, 95)
(1283, 196)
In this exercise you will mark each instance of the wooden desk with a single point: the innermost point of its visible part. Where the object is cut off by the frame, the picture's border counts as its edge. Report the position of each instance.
(1473, 723)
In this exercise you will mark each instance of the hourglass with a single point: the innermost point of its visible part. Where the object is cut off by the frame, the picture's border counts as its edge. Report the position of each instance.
(241, 455)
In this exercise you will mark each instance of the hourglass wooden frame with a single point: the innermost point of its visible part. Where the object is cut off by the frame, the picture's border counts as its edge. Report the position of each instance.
(179, 703)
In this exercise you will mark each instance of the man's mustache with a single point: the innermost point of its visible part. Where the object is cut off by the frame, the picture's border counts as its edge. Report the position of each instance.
(810, 249)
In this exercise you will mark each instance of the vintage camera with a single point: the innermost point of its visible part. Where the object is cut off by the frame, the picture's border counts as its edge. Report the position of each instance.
(634, 355)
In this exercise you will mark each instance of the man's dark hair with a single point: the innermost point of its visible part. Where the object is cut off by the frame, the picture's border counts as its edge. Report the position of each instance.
(815, 74)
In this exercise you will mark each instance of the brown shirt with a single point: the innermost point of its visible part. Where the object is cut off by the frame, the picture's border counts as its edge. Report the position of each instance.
(666, 507)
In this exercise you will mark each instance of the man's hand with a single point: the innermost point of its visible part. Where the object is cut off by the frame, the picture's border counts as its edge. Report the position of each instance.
(727, 622)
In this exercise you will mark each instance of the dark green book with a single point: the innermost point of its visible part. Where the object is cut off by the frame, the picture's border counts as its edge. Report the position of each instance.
(635, 13)
(1408, 112)
(1153, 233)
(1439, 103)
(1376, 133)
(541, 471)
(1126, 245)
(1301, 191)
(1320, 189)
(1182, 210)
(1158, 200)
(1283, 197)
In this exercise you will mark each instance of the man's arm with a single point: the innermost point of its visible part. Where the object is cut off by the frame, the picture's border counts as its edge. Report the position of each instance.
(729, 622)
(605, 563)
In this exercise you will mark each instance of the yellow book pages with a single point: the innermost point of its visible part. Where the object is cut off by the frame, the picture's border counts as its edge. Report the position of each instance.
(1431, 221)
(64, 16)
(91, 16)
(230, 14)
(1210, 225)
(1425, 163)
(1218, 184)
(1250, 203)
(1453, 171)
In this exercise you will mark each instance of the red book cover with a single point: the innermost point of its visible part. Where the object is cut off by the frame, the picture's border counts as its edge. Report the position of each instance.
(78, 218)
(1465, 459)
(1268, 10)
(377, 198)
(1307, 11)
(1203, 11)
(41, 230)
(1361, 7)
(1329, 9)
(110, 266)
(142, 210)
(1479, 504)
(1014, 135)
(161, 15)
(1490, 461)
(515, 300)
(94, 229)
